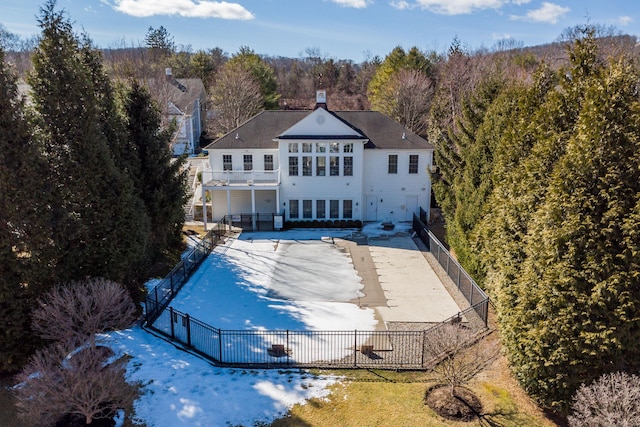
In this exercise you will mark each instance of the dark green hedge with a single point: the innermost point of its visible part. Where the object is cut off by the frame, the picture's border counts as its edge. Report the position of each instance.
(338, 223)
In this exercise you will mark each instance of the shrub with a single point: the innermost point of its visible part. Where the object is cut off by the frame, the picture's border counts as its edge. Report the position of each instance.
(75, 312)
(60, 381)
(611, 400)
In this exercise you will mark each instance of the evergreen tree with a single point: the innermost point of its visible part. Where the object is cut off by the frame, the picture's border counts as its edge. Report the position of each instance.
(20, 229)
(561, 238)
(484, 117)
(582, 316)
(96, 230)
(159, 179)
(160, 43)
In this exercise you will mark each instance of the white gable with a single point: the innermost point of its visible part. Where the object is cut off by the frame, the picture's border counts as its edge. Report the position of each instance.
(320, 123)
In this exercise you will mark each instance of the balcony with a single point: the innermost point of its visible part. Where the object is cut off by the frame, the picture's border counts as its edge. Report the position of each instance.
(241, 178)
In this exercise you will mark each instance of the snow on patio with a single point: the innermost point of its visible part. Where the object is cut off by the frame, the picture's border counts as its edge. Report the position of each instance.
(285, 283)
(260, 281)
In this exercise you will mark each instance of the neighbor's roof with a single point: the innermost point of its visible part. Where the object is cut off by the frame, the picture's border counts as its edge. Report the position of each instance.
(182, 93)
(261, 130)
(185, 92)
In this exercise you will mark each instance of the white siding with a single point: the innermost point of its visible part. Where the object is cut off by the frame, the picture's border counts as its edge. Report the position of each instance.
(237, 157)
(395, 192)
(325, 187)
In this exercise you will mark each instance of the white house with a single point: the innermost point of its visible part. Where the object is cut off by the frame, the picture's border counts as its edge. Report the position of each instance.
(320, 165)
(184, 102)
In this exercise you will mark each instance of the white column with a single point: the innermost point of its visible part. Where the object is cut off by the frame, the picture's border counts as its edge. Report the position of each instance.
(229, 205)
(204, 207)
(253, 208)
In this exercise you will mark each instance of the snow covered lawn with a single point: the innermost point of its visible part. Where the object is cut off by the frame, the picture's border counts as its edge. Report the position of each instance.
(291, 280)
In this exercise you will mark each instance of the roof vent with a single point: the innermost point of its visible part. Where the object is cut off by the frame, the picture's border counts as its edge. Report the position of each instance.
(404, 136)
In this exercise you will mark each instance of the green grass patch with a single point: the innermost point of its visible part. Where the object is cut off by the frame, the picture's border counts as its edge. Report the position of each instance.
(383, 398)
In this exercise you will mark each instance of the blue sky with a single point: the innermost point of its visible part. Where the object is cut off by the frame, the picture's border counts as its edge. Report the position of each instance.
(341, 29)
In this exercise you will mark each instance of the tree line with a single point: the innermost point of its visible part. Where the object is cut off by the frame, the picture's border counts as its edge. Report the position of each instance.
(537, 174)
(539, 182)
(88, 187)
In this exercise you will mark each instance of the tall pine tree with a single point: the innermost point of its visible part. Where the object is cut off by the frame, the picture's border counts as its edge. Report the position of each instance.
(159, 179)
(561, 238)
(21, 233)
(97, 227)
(582, 314)
(473, 140)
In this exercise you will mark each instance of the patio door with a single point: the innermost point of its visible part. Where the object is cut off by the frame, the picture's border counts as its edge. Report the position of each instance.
(412, 207)
(371, 213)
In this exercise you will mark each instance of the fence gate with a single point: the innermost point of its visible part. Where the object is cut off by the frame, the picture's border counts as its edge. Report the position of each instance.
(180, 326)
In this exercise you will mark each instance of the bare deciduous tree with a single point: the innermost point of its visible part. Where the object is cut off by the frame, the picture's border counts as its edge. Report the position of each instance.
(76, 312)
(60, 382)
(611, 400)
(235, 97)
(411, 92)
(450, 346)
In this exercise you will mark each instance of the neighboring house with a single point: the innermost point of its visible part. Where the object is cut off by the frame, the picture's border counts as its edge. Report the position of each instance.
(185, 101)
(320, 165)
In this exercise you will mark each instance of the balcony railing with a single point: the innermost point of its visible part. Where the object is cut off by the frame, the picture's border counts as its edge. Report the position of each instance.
(240, 178)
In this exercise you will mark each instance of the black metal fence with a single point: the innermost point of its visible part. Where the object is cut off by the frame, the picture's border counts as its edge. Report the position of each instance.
(306, 349)
(162, 294)
(468, 287)
(301, 349)
(251, 222)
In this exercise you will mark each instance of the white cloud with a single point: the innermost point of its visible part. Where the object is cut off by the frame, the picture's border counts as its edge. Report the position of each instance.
(358, 4)
(503, 36)
(400, 4)
(624, 20)
(186, 8)
(549, 13)
(459, 7)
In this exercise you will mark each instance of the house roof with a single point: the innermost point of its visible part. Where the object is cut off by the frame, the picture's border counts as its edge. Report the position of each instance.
(178, 95)
(262, 131)
(184, 93)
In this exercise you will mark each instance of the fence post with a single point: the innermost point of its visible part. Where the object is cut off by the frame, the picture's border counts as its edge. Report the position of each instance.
(188, 330)
(287, 348)
(155, 292)
(355, 348)
(448, 259)
(424, 344)
(171, 322)
(220, 345)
